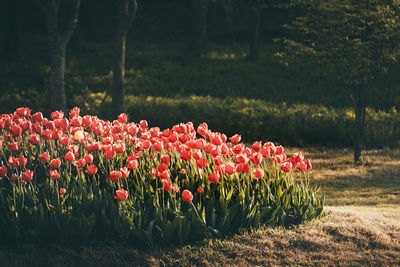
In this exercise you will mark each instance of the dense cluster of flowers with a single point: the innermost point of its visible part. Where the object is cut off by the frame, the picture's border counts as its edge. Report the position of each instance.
(131, 161)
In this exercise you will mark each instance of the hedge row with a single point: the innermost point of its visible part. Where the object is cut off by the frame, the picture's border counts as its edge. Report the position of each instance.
(259, 120)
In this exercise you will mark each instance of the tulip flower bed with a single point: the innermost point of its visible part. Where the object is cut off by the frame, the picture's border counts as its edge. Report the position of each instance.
(81, 179)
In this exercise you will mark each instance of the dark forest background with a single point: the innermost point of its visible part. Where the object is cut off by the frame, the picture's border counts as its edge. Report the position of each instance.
(225, 79)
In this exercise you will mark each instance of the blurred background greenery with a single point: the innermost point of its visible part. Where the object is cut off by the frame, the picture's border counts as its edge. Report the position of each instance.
(166, 82)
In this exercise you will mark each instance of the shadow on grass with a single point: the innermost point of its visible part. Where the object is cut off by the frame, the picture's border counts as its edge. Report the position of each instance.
(375, 182)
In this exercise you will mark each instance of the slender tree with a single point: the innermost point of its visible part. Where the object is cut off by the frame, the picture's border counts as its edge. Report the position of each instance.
(126, 15)
(58, 40)
(354, 40)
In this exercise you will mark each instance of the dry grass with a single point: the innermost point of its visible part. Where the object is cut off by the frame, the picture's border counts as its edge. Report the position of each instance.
(374, 183)
(350, 236)
(362, 227)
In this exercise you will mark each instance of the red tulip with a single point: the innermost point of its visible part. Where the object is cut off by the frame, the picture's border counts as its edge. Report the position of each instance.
(216, 140)
(258, 173)
(124, 172)
(57, 115)
(187, 196)
(122, 118)
(200, 190)
(21, 161)
(63, 191)
(301, 166)
(27, 175)
(91, 169)
(55, 163)
(133, 164)
(213, 178)
(23, 112)
(158, 146)
(197, 155)
(69, 156)
(308, 165)
(47, 134)
(165, 159)
(26, 125)
(3, 171)
(88, 158)
(202, 130)
(115, 175)
(143, 124)
(199, 143)
(235, 139)
(175, 188)
(238, 148)
(279, 150)
(76, 121)
(110, 154)
(186, 155)
(12, 161)
(121, 194)
(64, 141)
(298, 157)
(63, 123)
(217, 161)
(34, 139)
(256, 158)
(119, 147)
(37, 117)
(256, 146)
(230, 168)
(37, 128)
(132, 129)
(286, 166)
(14, 177)
(54, 174)
(173, 137)
(14, 147)
(107, 140)
(80, 163)
(162, 167)
(57, 134)
(74, 112)
(165, 174)
(166, 184)
(201, 163)
(16, 130)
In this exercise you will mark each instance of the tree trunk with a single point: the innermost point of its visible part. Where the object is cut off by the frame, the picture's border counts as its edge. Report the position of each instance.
(126, 16)
(359, 101)
(58, 41)
(56, 92)
(118, 90)
(200, 8)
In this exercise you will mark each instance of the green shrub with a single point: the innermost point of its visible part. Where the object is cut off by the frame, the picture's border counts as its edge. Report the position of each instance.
(261, 120)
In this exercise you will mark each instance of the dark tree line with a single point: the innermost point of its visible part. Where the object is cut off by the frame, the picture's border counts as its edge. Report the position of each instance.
(354, 49)
(240, 20)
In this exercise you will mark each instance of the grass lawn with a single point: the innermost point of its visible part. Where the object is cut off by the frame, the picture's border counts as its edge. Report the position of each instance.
(362, 227)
